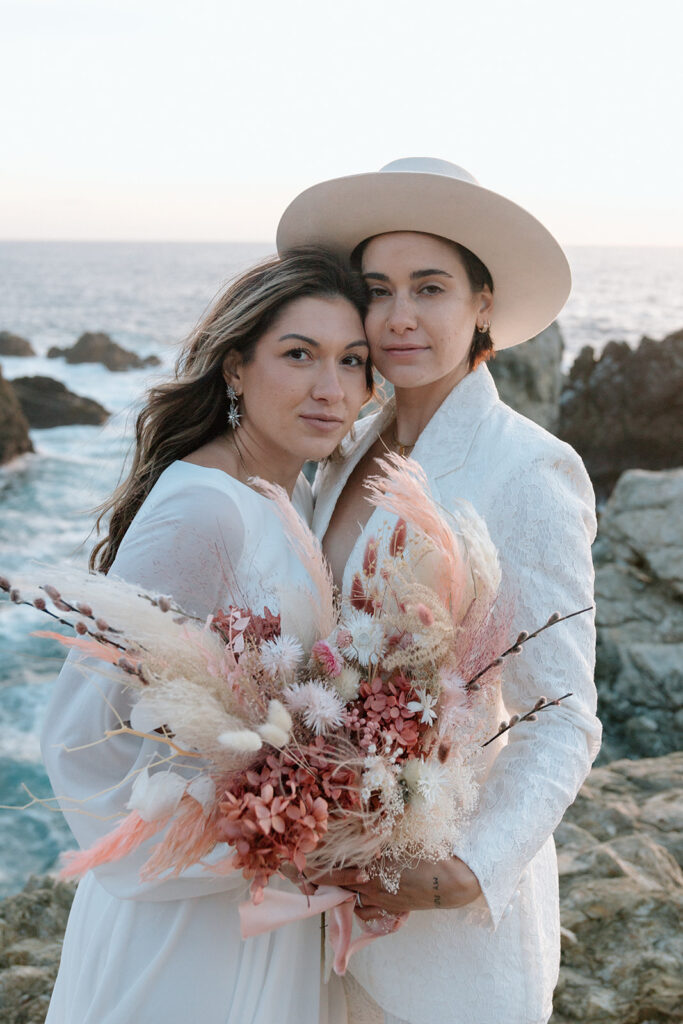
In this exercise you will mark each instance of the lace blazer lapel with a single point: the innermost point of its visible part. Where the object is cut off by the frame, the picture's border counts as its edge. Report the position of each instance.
(444, 443)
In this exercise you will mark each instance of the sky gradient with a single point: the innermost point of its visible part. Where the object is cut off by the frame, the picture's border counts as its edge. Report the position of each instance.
(159, 119)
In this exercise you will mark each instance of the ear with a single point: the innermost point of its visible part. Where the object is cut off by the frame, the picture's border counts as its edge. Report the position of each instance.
(486, 301)
(232, 367)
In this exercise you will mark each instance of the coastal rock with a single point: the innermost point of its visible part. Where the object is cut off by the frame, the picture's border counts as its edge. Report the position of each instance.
(15, 345)
(624, 410)
(638, 557)
(100, 348)
(32, 926)
(529, 377)
(620, 850)
(14, 439)
(49, 403)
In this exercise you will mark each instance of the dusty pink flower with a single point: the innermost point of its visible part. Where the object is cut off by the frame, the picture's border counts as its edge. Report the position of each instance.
(329, 659)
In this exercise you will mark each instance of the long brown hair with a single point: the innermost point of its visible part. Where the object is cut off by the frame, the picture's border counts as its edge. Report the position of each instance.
(189, 410)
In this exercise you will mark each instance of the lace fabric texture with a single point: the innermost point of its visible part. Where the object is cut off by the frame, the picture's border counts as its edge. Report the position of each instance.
(498, 958)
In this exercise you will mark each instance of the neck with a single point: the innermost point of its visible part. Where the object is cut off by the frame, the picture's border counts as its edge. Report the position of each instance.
(253, 459)
(416, 406)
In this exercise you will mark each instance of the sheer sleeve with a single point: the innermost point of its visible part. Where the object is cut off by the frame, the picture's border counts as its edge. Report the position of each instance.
(187, 546)
(545, 551)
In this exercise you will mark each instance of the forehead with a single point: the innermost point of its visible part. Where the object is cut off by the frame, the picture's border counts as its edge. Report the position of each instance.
(317, 315)
(410, 249)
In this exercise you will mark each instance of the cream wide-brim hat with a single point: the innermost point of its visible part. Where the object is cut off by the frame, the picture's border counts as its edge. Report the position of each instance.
(531, 276)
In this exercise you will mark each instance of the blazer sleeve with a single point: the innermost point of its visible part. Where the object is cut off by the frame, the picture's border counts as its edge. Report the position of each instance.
(545, 551)
(185, 546)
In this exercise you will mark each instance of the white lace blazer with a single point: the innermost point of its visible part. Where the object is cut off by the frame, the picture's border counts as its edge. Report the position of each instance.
(497, 960)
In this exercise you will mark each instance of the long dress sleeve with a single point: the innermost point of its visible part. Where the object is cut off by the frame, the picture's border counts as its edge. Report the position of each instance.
(187, 546)
(545, 551)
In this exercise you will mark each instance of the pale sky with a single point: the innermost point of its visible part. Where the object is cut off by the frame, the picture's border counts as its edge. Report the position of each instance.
(200, 119)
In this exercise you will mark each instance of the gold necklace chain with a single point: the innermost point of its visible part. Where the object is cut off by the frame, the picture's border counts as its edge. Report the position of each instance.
(404, 450)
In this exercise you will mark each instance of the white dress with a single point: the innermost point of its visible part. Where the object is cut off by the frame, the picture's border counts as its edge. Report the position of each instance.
(497, 959)
(170, 951)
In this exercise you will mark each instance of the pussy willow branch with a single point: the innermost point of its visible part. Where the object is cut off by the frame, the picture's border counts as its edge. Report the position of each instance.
(541, 705)
(523, 638)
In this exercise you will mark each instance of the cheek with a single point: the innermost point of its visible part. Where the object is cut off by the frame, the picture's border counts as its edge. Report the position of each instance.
(374, 321)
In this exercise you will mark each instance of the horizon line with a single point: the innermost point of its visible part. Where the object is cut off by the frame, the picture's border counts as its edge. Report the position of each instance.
(265, 244)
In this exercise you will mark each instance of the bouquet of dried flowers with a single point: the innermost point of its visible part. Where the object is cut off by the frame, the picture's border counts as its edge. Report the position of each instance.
(361, 750)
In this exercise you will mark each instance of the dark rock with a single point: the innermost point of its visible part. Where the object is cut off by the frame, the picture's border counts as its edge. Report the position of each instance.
(529, 377)
(14, 345)
(624, 410)
(99, 348)
(49, 403)
(638, 558)
(14, 439)
(32, 926)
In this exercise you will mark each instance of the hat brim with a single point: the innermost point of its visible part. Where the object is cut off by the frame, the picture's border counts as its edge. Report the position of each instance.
(531, 276)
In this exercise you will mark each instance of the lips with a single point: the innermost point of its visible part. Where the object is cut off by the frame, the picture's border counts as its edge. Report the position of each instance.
(322, 422)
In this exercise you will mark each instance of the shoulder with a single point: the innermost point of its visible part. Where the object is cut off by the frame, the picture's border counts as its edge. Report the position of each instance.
(528, 447)
(198, 498)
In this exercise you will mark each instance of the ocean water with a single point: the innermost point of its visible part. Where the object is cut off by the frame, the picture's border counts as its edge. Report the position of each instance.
(148, 296)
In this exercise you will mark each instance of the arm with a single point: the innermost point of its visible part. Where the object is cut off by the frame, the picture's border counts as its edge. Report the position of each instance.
(186, 547)
(545, 547)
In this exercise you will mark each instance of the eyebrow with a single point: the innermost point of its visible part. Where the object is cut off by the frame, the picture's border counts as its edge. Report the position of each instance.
(316, 344)
(415, 276)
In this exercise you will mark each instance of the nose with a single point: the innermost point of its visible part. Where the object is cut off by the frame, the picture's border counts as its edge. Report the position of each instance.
(401, 316)
(327, 386)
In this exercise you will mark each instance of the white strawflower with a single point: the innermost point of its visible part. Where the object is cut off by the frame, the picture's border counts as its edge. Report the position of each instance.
(281, 656)
(426, 778)
(321, 707)
(347, 683)
(367, 638)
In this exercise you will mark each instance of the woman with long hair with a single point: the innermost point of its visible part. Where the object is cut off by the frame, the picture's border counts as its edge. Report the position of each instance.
(275, 374)
(455, 272)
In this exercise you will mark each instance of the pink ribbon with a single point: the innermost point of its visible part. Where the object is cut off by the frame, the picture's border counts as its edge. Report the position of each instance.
(279, 907)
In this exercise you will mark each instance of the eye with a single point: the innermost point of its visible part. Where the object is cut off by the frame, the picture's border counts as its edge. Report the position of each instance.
(377, 291)
(298, 355)
(431, 289)
(354, 360)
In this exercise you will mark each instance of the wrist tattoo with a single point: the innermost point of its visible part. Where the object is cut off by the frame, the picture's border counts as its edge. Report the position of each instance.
(435, 888)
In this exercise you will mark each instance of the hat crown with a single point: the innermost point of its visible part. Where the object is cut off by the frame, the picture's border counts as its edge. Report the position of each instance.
(429, 165)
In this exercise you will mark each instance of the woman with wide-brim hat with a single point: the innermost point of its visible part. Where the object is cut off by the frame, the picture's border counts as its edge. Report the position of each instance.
(455, 272)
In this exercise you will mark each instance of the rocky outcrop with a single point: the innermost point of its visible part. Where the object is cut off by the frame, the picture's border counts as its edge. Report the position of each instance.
(620, 850)
(32, 926)
(99, 348)
(14, 439)
(49, 403)
(639, 590)
(529, 377)
(14, 345)
(624, 410)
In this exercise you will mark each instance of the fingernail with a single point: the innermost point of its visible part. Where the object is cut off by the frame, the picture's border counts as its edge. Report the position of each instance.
(362, 876)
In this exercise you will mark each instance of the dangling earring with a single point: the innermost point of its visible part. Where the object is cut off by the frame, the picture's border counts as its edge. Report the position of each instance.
(233, 407)
(485, 327)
